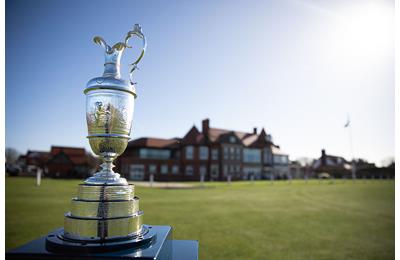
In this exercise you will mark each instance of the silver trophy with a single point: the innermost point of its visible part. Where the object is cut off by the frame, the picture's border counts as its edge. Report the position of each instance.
(105, 209)
(109, 109)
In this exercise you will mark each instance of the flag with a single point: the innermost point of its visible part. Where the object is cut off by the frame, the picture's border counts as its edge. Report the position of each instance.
(347, 122)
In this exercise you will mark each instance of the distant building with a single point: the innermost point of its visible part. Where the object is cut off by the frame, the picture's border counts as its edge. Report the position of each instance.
(339, 167)
(68, 162)
(145, 156)
(212, 152)
(366, 170)
(297, 171)
(33, 161)
(336, 166)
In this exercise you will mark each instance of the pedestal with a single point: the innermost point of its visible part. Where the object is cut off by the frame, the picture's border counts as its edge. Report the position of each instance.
(162, 247)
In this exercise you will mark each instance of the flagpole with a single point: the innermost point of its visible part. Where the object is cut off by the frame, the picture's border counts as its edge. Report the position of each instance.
(353, 164)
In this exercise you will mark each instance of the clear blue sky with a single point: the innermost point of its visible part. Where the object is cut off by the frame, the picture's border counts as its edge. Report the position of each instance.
(296, 68)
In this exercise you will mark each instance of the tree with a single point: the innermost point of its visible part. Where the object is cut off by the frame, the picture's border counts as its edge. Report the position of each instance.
(11, 155)
(305, 161)
(388, 161)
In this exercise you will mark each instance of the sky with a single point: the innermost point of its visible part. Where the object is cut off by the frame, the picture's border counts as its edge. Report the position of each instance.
(298, 68)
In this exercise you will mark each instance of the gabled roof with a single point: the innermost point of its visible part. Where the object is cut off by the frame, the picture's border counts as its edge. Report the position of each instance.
(209, 134)
(77, 155)
(37, 154)
(250, 139)
(214, 134)
(277, 150)
(193, 137)
(152, 142)
(35, 157)
(260, 140)
(68, 150)
(331, 161)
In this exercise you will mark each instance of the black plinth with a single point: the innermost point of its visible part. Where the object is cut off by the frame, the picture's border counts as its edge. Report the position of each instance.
(162, 247)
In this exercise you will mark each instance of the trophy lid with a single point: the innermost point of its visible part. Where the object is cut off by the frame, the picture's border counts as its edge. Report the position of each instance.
(111, 78)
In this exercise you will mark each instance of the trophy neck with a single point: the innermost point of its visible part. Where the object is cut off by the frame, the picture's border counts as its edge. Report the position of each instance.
(112, 64)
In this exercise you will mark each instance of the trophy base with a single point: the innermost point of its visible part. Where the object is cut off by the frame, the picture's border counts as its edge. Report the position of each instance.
(57, 242)
(162, 247)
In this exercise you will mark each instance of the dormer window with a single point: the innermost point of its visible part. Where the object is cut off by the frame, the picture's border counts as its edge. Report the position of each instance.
(232, 139)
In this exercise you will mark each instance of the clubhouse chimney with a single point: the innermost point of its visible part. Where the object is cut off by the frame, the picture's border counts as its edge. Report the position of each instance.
(323, 157)
(255, 130)
(205, 126)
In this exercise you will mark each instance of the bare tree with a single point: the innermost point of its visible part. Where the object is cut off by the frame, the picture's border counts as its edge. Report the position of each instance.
(305, 161)
(386, 162)
(11, 155)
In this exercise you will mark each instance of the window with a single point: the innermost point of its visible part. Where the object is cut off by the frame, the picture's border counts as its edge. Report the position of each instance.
(189, 170)
(164, 169)
(225, 170)
(203, 170)
(203, 153)
(226, 153)
(152, 168)
(214, 170)
(136, 172)
(232, 139)
(280, 159)
(231, 153)
(237, 168)
(251, 155)
(237, 151)
(284, 159)
(267, 156)
(214, 154)
(189, 152)
(175, 169)
(146, 153)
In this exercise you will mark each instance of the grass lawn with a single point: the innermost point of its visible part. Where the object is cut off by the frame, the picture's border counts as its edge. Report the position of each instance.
(344, 220)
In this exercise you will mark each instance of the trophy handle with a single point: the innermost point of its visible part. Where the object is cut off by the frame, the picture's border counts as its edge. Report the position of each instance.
(113, 54)
(137, 31)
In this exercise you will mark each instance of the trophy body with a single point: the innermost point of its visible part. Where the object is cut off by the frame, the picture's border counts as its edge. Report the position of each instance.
(109, 119)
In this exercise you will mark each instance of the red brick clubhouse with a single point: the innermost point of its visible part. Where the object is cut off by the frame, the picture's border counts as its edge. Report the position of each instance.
(212, 152)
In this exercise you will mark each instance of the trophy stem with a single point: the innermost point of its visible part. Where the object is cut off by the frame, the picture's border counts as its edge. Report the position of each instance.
(106, 175)
(107, 165)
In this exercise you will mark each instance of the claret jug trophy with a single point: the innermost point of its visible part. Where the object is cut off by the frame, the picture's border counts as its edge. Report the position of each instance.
(104, 221)
(106, 210)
